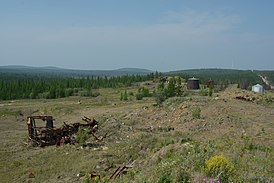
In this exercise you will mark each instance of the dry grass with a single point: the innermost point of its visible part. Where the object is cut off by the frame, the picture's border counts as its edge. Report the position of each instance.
(242, 131)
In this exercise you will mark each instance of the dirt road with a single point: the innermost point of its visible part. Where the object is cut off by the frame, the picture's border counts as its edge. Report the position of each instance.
(266, 81)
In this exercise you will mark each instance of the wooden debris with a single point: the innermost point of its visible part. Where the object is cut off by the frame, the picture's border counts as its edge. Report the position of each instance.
(122, 170)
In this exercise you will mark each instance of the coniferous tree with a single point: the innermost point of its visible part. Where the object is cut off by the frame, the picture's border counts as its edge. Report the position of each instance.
(125, 95)
(170, 90)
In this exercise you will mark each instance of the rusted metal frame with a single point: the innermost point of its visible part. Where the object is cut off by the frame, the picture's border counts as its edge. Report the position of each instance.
(50, 135)
(122, 169)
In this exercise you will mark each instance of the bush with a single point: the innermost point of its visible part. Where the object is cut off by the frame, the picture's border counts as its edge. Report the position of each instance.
(68, 92)
(165, 179)
(142, 92)
(203, 92)
(139, 96)
(196, 112)
(124, 96)
(159, 97)
(89, 93)
(210, 91)
(82, 135)
(183, 177)
(219, 167)
(174, 101)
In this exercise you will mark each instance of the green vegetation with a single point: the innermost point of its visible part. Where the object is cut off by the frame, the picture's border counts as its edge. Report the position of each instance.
(171, 89)
(82, 135)
(269, 75)
(34, 86)
(223, 77)
(196, 112)
(142, 92)
(188, 137)
(124, 96)
(219, 167)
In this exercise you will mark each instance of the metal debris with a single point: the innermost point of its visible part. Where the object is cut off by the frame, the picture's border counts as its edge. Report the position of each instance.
(122, 170)
(50, 135)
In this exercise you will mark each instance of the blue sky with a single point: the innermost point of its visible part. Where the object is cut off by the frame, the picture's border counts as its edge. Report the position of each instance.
(159, 35)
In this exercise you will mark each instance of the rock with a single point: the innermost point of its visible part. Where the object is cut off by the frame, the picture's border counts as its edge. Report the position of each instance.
(31, 175)
(104, 148)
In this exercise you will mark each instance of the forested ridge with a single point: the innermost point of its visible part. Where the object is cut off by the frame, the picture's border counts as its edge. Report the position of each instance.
(50, 86)
(268, 74)
(245, 78)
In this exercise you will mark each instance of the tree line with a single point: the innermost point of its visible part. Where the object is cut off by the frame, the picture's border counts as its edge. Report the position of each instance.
(33, 86)
(223, 77)
(268, 74)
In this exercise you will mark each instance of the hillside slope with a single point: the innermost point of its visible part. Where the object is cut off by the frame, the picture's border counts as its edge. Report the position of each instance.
(169, 142)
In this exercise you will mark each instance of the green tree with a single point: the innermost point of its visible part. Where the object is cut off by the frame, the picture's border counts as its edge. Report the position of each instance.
(178, 87)
(122, 96)
(159, 97)
(125, 95)
(170, 90)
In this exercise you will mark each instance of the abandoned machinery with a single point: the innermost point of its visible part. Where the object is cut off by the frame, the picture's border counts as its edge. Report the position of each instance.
(48, 134)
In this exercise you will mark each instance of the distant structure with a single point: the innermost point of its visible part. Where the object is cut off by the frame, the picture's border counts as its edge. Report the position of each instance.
(193, 84)
(258, 88)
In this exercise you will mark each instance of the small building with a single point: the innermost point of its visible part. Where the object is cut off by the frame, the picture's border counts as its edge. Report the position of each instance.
(193, 84)
(258, 88)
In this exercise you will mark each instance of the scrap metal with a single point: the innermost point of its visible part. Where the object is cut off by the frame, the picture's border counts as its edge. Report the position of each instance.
(122, 170)
(50, 135)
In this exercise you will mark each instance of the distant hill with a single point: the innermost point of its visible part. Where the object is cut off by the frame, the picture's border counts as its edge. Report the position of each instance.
(134, 70)
(72, 72)
(244, 78)
(208, 70)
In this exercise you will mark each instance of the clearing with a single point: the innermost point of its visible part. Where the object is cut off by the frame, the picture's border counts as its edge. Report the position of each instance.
(172, 141)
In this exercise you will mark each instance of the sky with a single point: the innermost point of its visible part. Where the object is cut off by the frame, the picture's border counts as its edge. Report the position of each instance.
(162, 35)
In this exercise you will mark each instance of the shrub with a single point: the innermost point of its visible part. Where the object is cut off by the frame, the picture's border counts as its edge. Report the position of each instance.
(124, 96)
(267, 100)
(142, 92)
(139, 96)
(174, 101)
(89, 93)
(183, 177)
(165, 179)
(196, 112)
(220, 167)
(210, 91)
(82, 135)
(203, 92)
(159, 97)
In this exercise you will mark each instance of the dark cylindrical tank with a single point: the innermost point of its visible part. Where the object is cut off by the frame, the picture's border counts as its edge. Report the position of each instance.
(193, 84)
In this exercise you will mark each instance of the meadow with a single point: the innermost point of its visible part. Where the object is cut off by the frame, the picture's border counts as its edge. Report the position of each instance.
(190, 137)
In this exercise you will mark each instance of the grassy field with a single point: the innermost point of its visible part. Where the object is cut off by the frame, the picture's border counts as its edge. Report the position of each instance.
(172, 143)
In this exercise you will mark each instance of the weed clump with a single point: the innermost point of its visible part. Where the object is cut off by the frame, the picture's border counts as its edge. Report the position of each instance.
(196, 113)
(219, 167)
(164, 179)
(82, 135)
